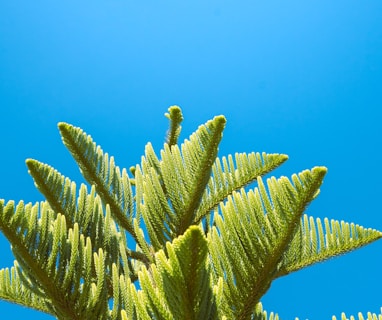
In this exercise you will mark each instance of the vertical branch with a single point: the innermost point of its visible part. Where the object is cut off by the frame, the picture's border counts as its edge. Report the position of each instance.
(176, 117)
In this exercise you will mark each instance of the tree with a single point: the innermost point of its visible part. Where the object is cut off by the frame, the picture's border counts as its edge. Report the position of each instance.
(179, 237)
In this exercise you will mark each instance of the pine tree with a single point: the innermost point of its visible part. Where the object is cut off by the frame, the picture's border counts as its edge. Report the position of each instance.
(179, 236)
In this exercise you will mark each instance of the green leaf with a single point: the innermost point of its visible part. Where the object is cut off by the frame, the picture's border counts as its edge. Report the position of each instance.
(169, 191)
(229, 175)
(112, 185)
(58, 190)
(12, 289)
(53, 260)
(186, 172)
(248, 245)
(315, 242)
(180, 287)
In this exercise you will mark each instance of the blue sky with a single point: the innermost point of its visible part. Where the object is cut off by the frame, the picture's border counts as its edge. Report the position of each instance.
(297, 77)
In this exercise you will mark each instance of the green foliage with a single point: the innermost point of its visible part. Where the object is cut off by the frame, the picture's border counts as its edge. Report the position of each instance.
(369, 316)
(182, 237)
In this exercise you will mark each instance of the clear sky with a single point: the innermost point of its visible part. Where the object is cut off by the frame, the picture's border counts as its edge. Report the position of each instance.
(297, 77)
